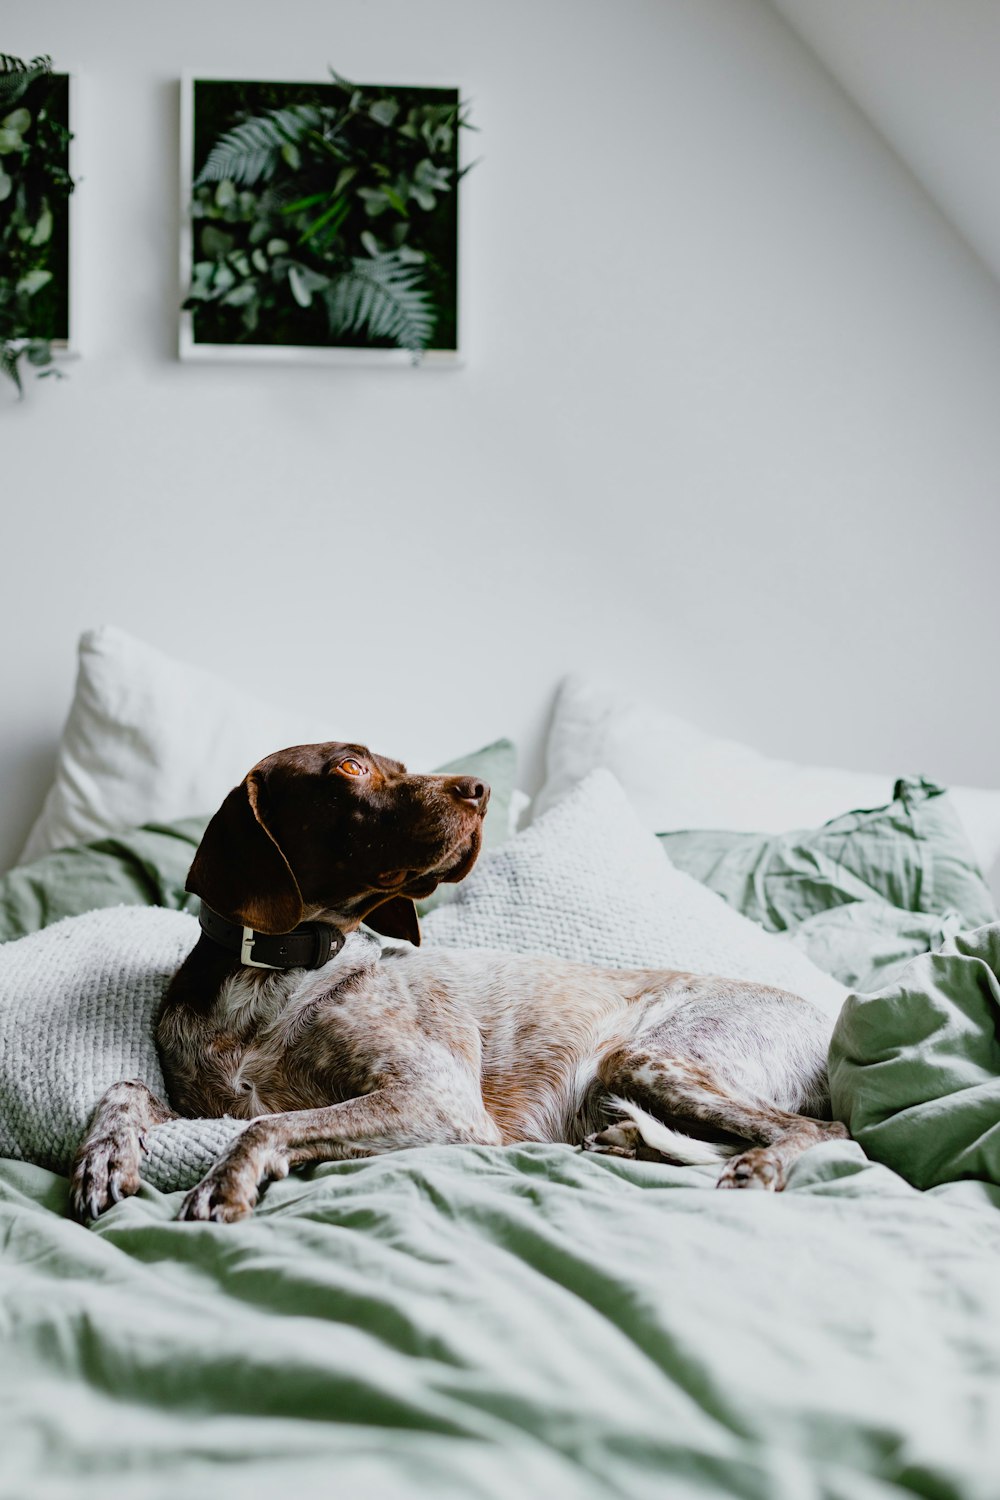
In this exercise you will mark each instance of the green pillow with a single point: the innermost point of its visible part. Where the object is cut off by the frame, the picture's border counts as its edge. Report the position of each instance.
(862, 895)
(148, 866)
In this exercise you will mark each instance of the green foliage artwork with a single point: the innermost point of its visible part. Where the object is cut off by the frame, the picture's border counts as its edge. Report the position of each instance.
(35, 185)
(325, 215)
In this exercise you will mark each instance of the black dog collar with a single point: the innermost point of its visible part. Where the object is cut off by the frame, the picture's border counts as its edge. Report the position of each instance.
(308, 946)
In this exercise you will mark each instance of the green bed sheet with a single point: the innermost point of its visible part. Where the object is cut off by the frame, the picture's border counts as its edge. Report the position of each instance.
(915, 1067)
(464, 1322)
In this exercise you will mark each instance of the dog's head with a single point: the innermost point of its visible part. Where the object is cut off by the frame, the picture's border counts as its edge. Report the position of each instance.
(334, 832)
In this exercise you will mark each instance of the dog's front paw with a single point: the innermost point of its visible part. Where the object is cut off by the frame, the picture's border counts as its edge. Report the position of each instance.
(230, 1190)
(758, 1168)
(105, 1171)
(220, 1197)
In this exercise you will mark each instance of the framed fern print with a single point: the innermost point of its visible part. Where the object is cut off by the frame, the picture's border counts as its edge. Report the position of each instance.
(320, 221)
(37, 271)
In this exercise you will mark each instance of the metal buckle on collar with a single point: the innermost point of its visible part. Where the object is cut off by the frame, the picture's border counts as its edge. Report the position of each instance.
(246, 950)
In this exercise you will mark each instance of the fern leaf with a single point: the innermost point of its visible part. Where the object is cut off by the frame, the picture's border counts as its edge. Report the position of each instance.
(9, 356)
(16, 75)
(384, 296)
(251, 150)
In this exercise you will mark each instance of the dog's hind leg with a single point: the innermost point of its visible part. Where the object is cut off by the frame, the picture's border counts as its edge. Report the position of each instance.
(106, 1168)
(649, 1089)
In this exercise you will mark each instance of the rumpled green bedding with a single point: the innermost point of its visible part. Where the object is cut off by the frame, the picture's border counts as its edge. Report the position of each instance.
(863, 894)
(466, 1322)
(915, 1068)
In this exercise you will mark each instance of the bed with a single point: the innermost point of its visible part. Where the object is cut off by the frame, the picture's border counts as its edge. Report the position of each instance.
(482, 1322)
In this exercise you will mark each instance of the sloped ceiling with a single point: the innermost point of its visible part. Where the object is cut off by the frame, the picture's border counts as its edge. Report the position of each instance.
(925, 73)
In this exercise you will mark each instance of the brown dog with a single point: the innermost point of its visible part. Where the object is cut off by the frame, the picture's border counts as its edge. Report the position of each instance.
(286, 1015)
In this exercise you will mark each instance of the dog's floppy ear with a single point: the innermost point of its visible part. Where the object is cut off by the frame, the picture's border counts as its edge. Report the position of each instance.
(396, 918)
(239, 869)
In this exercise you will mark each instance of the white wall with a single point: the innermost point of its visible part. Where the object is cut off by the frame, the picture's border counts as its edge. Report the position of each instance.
(925, 74)
(727, 430)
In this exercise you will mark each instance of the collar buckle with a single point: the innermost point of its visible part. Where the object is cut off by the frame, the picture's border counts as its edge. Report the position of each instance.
(246, 951)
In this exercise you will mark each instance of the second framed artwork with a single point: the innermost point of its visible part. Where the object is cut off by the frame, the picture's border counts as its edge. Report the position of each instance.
(320, 221)
(38, 294)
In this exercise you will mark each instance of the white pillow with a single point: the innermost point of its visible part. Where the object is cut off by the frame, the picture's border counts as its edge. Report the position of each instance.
(587, 881)
(678, 776)
(150, 739)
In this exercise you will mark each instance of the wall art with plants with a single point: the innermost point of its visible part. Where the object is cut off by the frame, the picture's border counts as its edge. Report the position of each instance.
(320, 220)
(35, 189)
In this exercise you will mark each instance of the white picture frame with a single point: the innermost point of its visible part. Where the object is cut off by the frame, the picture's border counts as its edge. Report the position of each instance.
(69, 348)
(65, 350)
(190, 349)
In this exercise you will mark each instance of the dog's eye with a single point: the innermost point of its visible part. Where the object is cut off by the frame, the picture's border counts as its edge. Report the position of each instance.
(351, 768)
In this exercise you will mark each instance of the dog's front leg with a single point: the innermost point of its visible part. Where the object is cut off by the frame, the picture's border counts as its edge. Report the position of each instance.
(385, 1120)
(106, 1168)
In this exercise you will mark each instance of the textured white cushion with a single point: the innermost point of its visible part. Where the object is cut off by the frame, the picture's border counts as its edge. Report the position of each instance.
(78, 1003)
(587, 881)
(678, 776)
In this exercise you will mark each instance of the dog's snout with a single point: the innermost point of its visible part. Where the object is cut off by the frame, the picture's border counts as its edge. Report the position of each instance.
(468, 789)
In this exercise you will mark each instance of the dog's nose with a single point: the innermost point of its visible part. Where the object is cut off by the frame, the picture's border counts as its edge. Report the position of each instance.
(475, 793)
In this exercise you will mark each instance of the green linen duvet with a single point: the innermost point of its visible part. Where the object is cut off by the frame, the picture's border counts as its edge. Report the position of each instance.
(460, 1323)
(915, 1067)
(454, 1323)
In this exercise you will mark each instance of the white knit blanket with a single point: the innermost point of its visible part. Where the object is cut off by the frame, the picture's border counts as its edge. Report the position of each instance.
(78, 1001)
